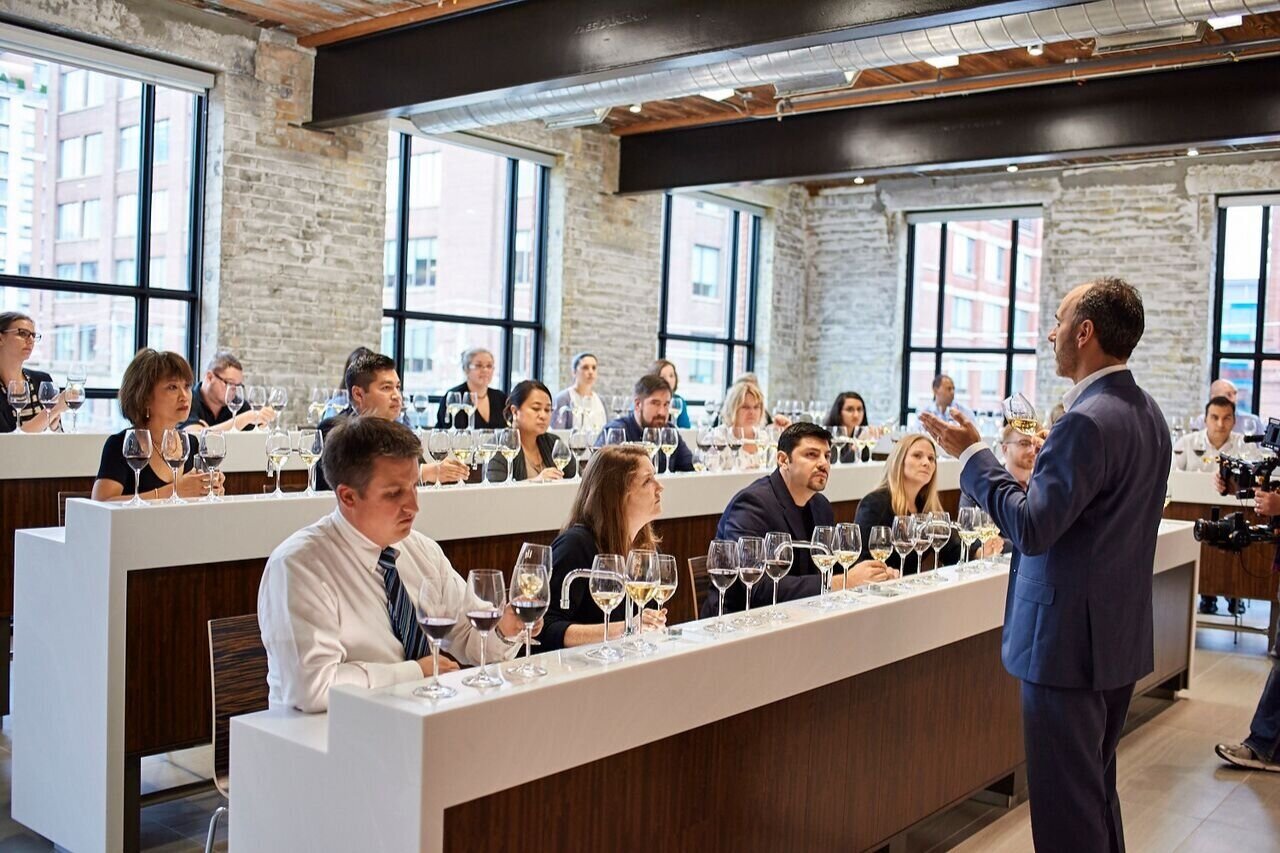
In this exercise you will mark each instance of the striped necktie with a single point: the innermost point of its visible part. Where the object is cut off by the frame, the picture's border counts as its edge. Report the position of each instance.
(404, 621)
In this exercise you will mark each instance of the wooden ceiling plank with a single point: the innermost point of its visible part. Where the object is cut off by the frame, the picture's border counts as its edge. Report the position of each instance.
(415, 15)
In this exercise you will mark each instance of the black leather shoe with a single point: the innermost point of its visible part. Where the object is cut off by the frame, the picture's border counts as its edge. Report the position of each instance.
(1208, 606)
(1235, 606)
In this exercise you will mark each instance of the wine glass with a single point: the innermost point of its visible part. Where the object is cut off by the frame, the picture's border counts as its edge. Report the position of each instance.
(485, 445)
(340, 401)
(722, 555)
(580, 447)
(233, 397)
(710, 408)
(310, 446)
(488, 597)
(649, 440)
(734, 438)
(469, 403)
(668, 441)
(438, 446)
(677, 408)
(880, 544)
(48, 396)
(257, 401)
(173, 450)
(903, 538)
(420, 402)
(823, 540)
(839, 441)
(607, 587)
(278, 399)
(74, 395)
(212, 450)
(939, 536)
(462, 445)
(19, 398)
(318, 405)
(668, 582)
(988, 532)
(437, 622)
(641, 585)
(848, 550)
(1021, 415)
(778, 556)
(560, 455)
(920, 530)
(278, 449)
(509, 447)
(1199, 447)
(453, 405)
(751, 556)
(968, 520)
(616, 435)
(530, 597)
(137, 452)
(618, 405)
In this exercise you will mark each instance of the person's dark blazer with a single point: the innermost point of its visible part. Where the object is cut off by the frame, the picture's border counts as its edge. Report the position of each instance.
(1078, 610)
(876, 508)
(681, 460)
(575, 548)
(326, 426)
(519, 470)
(762, 507)
(496, 420)
(8, 423)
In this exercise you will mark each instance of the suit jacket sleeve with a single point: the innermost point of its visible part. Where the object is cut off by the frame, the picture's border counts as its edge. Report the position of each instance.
(1068, 473)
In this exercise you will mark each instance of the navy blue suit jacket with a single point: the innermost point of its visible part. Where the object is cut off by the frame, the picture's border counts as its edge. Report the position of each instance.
(681, 460)
(1078, 610)
(760, 508)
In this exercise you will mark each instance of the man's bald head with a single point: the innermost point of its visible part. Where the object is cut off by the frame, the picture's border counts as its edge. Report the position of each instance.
(1223, 388)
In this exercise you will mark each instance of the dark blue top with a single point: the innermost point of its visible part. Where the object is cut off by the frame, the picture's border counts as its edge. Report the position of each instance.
(681, 460)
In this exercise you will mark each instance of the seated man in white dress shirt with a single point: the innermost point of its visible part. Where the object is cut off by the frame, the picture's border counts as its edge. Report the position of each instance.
(943, 402)
(329, 611)
(1198, 451)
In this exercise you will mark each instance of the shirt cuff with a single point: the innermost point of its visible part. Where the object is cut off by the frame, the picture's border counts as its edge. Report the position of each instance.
(387, 674)
(968, 453)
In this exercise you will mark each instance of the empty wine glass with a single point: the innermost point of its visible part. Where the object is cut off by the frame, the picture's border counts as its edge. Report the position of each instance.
(668, 582)
(438, 446)
(839, 441)
(904, 542)
(509, 447)
(939, 536)
(722, 557)
(48, 395)
(233, 397)
(778, 555)
(19, 392)
(212, 450)
(173, 450)
(580, 447)
(420, 402)
(677, 408)
(848, 550)
(530, 597)
(278, 399)
(1021, 415)
(488, 597)
(453, 405)
(969, 520)
(921, 533)
(823, 540)
(616, 435)
(642, 584)
(560, 455)
(340, 401)
(751, 556)
(257, 398)
(137, 453)
(310, 447)
(607, 587)
(469, 402)
(437, 621)
(317, 405)
(278, 449)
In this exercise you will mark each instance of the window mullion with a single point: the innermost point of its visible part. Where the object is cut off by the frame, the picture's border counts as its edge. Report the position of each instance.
(664, 295)
(146, 154)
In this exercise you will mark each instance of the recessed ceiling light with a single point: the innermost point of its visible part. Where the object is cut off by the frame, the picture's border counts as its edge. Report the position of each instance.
(944, 61)
(1035, 49)
(1012, 167)
(635, 108)
(717, 94)
(1226, 21)
(1193, 152)
(858, 179)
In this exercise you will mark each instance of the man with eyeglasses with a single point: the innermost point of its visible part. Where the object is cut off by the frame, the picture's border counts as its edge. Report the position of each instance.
(209, 409)
(1020, 453)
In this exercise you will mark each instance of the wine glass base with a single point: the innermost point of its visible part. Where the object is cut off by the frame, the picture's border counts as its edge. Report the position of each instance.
(608, 654)
(641, 647)
(822, 604)
(526, 670)
(720, 627)
(435, 691)
(747, 621)
(779, 616)
(482, 679)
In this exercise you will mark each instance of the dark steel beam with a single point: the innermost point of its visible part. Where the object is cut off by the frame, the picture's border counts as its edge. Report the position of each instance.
(520, 47)
(1231, 103)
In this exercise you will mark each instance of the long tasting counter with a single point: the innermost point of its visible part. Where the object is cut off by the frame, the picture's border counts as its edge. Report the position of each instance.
(835, 730)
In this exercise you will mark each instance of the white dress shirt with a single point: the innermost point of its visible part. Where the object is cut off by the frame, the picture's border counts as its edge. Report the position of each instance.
(322, 609)
(1184, 459)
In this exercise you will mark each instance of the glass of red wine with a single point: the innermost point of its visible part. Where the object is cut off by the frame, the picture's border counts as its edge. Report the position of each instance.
(487, 600)
(530, 597)
(437, 623)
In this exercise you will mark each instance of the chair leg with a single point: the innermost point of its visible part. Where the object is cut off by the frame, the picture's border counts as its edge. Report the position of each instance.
(213, 828)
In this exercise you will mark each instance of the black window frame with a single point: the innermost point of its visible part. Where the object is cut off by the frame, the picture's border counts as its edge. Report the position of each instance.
(1258, 356)
(732, 341)
(1009, 350)
(141, 290)
(509, 325)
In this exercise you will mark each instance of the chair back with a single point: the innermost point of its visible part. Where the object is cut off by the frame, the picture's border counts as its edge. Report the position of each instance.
(238, 664)
(63, 497)
(698, 583)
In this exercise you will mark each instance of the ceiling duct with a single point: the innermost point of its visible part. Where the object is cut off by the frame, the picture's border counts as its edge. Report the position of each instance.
(1071, 23)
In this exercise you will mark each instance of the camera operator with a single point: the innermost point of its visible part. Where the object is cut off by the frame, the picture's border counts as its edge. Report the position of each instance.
(1261, 749)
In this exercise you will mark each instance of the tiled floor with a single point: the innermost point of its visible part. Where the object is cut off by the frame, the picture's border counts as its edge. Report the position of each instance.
(1176, 794)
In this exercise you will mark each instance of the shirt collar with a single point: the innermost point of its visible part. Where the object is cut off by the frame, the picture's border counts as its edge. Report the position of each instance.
(1069, 398)
(365, 550)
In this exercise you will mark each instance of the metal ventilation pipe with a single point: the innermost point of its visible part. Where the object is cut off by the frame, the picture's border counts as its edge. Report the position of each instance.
(1106, 17)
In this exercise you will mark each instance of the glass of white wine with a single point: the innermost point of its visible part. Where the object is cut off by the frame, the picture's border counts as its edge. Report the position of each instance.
(668, 583)
(880, 545)
(721, 569)
(668, 441)
(641, 586)
(988, 533)
(969, 519)
(453, 405)
(848, 550)
(607, 587)
(560, 455)
(486, 447)
(462, 445)
(649, 440)
(469, 403)
(1021, 415)
(508, 447)
(278, 450)
(310, 447)
(823, 542)
(778, 555)
(839, 441)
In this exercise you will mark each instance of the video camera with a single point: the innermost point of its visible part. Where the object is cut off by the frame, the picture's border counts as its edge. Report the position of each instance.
(1233, 533)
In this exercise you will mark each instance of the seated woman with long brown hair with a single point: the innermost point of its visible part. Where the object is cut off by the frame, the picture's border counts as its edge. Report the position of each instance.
(618, 500)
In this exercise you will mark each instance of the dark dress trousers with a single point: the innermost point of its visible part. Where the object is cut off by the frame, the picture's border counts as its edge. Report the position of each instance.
(766, 506)
(1078, 625)
(496, 419)
(575, 548)
(681, 460)
(876, 509)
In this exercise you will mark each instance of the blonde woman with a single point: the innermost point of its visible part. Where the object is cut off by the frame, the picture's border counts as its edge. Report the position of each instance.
(909, 486)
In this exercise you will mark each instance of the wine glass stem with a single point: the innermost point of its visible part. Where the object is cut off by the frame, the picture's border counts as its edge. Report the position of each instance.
(720, 615)
(775, 593)
(606, 632)
(747, 611)
(278, 469)
(528, 647)
(137, 485)
(435, 664)
(484, 647)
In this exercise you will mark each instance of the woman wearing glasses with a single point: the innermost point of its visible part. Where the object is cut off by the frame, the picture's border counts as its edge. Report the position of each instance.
(478, 365)
(155, 395)
(17, 340)
(209, 409)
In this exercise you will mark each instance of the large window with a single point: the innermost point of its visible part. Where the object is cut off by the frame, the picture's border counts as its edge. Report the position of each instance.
(1246, 341)
(973, 305)
(709, 276)
(463, 260)
(83, 150)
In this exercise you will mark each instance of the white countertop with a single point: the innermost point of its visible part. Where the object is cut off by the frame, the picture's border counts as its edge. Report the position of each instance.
(47, 455)
(1196, 487)
(362, 781)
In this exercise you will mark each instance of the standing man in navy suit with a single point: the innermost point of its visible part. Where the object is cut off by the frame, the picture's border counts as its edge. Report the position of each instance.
(1077, 627)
